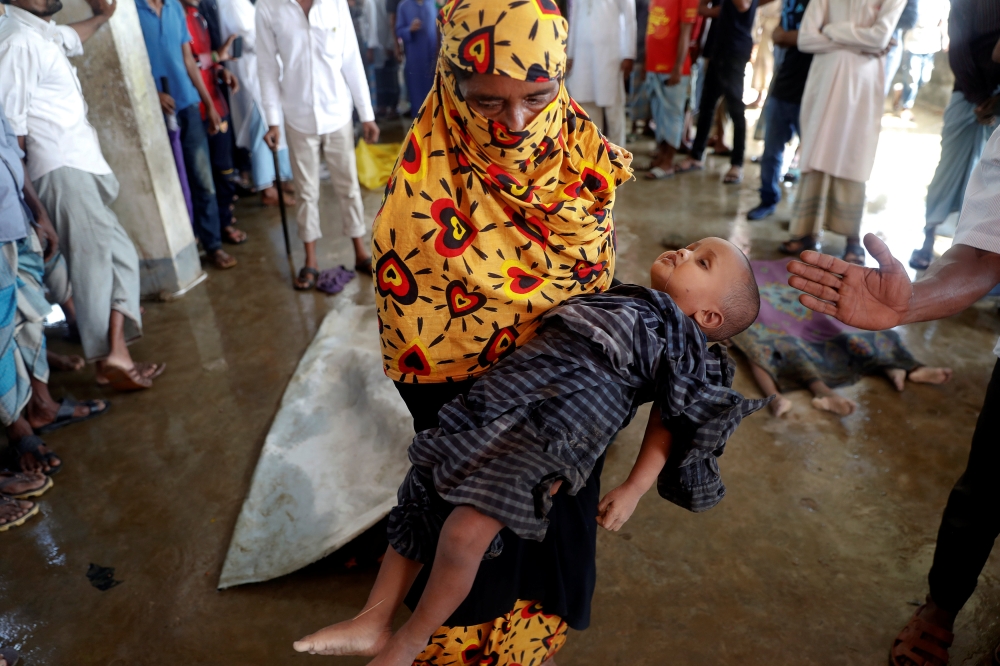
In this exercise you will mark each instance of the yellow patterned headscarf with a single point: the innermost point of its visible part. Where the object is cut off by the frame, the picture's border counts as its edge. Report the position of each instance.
(483, 229)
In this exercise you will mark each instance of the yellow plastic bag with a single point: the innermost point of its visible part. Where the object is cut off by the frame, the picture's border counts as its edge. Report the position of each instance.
(375, 163)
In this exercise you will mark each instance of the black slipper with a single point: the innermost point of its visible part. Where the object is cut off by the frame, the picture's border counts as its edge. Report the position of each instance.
(364, 266)
(64, 415)
(31, 444)
(309, 276)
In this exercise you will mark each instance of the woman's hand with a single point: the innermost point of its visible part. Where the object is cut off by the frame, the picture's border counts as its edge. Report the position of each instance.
(617, 506)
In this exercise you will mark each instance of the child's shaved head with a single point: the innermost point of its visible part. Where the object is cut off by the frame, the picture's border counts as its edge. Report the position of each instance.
(712, 282)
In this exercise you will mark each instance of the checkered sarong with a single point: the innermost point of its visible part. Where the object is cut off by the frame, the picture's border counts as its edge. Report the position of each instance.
(548, 411)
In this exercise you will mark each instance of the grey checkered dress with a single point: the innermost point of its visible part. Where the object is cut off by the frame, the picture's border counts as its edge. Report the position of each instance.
(549, 410)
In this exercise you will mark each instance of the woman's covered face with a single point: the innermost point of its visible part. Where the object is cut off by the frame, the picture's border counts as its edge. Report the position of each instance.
(512, 103)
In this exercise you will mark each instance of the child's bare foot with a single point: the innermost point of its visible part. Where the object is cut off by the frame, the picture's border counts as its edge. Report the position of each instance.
(780, 405)
(837, 404)
(897, 376)
(925, 375)
(359, 636)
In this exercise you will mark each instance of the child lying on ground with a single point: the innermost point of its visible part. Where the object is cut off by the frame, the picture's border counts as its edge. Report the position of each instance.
(541, 418)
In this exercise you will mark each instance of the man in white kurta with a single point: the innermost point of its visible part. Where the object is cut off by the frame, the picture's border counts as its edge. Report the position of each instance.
(600, 52)
(841, 116)
(311, 72)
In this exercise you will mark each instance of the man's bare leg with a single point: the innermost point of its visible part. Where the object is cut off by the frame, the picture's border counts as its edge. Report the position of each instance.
(368, 632)
(41, 409)
(311, 262)
(119, 363)
(465, 536)
(361, 256)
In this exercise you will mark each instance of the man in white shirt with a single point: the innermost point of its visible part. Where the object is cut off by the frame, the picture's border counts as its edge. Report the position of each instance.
(600, 52)
(319, 82)
(877, 299)
(41, 94)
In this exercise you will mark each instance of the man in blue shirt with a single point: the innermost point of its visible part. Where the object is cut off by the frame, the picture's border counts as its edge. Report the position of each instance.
(783, 106)
(168, 42)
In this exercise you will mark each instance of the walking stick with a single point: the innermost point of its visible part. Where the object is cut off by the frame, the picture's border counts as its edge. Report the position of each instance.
(284, 216)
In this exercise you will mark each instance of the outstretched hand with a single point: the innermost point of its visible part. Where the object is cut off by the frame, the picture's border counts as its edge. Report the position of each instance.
(870, 298)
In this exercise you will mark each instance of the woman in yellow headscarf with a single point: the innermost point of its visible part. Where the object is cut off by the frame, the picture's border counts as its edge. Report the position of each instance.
(499, 208)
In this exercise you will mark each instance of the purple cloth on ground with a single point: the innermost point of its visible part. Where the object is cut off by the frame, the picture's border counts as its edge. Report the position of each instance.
(175, 145)
(333, 280)
(780, 308)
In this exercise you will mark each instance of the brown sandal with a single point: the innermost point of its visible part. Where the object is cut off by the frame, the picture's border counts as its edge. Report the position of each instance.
(922, 643)
(121, 379)
(148, 370)
(798, 245)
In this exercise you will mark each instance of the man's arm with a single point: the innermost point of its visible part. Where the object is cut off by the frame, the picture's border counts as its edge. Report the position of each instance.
(214, 120)
(46, 232)
(683, 43)
(268, 72)
(786, 38)
(868, 40)
(618, 505)
(353, 70)
(877, 299)
(708, 10)
(103, 11)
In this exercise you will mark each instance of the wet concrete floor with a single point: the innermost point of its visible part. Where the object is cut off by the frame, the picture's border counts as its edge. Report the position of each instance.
(817, 556)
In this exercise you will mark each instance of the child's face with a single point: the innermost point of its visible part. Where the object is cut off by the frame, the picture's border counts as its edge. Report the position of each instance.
(698, 278)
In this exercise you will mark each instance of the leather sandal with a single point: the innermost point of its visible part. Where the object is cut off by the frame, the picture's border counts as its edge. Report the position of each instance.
(19, 521)
(798, 245)
(307, 279)
(921, 642)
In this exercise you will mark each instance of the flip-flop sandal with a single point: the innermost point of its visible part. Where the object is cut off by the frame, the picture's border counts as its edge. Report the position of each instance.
(854, 254)
(31, 444)
(124, 380)
(918, 634)
(228, 238)
(307, 275)
(921, 260)
(20, 521)
(15, 477)
(659, 173)
(726, 152)
(333, 280)
(728, 180)
(141, 367)
(364, 267)
(64, 415)
(688, 169)
(11, 656)
(797, 245)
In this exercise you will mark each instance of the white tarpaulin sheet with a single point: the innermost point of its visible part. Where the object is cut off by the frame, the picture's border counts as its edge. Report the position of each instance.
(333, 458)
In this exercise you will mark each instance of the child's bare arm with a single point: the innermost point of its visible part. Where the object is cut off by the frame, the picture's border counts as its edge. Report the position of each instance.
(618, 505)
(465, 536)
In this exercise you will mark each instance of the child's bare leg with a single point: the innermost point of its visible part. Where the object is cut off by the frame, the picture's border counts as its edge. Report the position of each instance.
(465, 536)
(830, 401)
(780, 405)
(897, 376)
(370, 629)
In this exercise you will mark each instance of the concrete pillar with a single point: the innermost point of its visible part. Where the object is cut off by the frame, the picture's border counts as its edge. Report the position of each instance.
(124, 108)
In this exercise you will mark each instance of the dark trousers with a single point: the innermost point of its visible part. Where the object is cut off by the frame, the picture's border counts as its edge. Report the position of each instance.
(220, 148)
(971, 521)
(387, 84)
(782, 120)
(723, 78)
(198, 163)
